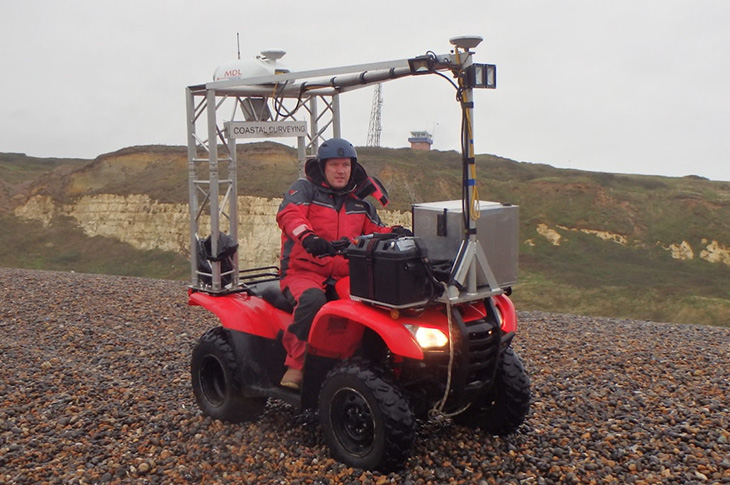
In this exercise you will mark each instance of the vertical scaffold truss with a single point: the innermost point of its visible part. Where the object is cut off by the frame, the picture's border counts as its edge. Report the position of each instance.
(212, 167)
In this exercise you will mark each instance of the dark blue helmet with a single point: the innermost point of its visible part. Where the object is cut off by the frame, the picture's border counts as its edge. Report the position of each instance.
(336, 148)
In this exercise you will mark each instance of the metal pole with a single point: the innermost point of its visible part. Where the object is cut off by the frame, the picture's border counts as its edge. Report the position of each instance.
(336, 127)
(468, 100)
(192, 191)
(313, 126)
(213, 178)
(301, 154)
(233, 203)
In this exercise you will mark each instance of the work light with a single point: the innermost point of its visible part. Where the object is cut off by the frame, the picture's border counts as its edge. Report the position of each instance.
(481, 76)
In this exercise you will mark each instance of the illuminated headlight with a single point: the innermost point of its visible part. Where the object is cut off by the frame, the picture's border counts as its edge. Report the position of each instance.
(429, 338)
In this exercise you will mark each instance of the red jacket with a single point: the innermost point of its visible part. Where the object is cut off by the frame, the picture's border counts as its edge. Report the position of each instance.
(311, 205)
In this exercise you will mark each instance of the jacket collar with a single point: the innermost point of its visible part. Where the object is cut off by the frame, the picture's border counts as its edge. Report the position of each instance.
(315, 173)
(360, 184)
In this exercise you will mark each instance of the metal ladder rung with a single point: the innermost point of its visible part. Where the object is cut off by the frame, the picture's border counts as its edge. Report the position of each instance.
(201, 160)
(207, 182)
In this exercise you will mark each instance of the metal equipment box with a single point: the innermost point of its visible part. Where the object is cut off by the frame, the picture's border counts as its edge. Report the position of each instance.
(440, 225)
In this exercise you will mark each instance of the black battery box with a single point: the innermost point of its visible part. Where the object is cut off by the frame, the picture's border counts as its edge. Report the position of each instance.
(390, 271)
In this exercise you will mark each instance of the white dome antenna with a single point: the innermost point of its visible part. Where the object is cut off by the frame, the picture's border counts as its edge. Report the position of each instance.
(466, 42)
(273, 54)
(265, 64)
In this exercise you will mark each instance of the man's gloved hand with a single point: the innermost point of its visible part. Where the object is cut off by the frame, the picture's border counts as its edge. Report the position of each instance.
(401, 231)
(316, 246)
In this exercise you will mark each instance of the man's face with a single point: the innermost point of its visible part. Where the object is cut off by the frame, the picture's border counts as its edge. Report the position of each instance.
(337, 172)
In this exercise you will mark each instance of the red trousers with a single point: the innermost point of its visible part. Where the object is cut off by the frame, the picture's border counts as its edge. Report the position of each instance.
(306, 291)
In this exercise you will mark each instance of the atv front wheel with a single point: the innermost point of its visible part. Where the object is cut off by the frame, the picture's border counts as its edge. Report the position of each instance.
(217, 380)
(502, 409)
(366, 420)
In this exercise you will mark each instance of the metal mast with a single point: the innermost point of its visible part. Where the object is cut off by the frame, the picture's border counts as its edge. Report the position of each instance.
(375, 126)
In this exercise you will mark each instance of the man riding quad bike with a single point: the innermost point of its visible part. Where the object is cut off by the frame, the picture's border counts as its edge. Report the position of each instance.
(373, 351)
(320, 208)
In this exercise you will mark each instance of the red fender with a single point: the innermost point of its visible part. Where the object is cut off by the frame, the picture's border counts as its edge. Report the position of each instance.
(338, 326)
(509, 315)
(342, 288)
(242, 312)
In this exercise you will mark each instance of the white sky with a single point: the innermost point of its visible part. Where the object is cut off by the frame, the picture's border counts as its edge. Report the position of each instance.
(622, 86)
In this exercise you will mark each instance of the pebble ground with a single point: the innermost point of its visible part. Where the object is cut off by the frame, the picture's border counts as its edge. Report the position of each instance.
(95, 388)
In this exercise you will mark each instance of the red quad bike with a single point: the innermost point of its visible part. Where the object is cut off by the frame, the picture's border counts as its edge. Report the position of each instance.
(374, 364)
(423, 325)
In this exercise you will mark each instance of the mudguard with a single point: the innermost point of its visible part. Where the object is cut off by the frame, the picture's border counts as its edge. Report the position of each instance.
(337, 329)
(338, 326)
(243, 313)
(509, 315)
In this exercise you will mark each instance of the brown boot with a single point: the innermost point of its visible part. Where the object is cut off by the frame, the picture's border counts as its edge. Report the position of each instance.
(292, 379)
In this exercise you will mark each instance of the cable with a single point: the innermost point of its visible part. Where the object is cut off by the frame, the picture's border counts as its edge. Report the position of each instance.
(470, 207)
(449, 80)
(437, 411)
(438, 408)
(474, 202)
(278, 102)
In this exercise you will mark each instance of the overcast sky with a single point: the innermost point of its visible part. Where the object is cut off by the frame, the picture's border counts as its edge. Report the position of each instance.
(621, 86)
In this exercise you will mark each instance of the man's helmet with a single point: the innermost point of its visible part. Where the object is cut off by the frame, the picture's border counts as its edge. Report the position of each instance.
(336, 148)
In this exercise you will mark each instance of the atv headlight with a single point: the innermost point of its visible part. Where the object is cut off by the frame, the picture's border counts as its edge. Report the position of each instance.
(429, 338)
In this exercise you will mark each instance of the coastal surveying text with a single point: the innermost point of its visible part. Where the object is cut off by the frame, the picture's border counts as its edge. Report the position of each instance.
(265, 129)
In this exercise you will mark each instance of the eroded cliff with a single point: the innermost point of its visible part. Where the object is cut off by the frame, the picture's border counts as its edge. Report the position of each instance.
(145, 223)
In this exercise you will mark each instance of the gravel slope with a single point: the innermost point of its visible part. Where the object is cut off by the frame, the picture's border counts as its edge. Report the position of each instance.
(95, 387)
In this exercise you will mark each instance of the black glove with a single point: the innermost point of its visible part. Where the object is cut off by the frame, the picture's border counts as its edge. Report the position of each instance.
(401, 231)
(316, 246)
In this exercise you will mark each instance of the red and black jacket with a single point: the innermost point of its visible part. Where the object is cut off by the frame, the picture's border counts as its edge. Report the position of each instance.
(311, 205)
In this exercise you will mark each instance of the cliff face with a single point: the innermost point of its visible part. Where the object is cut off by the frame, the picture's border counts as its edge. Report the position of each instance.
(593, 243)
(147, 224)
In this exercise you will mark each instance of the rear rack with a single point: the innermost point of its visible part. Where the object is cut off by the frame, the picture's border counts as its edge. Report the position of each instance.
(246, 278)
(258, 275)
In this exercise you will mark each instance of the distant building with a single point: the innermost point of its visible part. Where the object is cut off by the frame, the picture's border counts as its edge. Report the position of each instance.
(420, 140)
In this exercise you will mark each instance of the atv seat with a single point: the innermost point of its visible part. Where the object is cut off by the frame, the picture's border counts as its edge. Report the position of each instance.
(271, 292)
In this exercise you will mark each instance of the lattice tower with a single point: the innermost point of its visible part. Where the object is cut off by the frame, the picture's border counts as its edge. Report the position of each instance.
(375, 126)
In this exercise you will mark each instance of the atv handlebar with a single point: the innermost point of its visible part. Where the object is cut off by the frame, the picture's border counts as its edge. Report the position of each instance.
(339, 247)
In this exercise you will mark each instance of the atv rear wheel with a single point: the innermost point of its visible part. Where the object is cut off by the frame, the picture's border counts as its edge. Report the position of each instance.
(366, 419)
(217, 380)
(502, 409)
